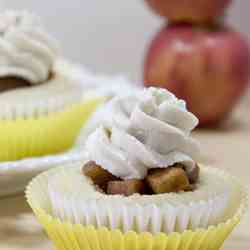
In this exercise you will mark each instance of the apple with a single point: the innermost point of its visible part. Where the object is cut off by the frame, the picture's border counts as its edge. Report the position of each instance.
(189, 10)
(207, 67)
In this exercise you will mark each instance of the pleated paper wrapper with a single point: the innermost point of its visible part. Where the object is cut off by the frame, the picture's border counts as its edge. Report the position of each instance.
(183, 211)
(127, 234)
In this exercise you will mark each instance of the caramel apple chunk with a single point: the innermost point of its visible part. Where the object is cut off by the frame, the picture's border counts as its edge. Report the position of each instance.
(172, 179)
(98, 175)
(193, 174)
(126, 188)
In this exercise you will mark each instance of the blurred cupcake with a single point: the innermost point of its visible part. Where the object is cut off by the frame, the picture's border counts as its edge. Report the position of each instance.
(140, 186)
(40, 97)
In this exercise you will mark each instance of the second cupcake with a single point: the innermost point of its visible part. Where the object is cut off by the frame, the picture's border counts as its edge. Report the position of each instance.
(43, 106)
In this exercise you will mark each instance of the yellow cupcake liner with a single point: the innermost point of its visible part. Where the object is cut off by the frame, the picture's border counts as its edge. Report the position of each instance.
(67, 236)
(49, 134)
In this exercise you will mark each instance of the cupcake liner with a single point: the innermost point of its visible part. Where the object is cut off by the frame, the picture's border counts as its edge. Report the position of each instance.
(139, 218)
(119, 213)
(67, 236)
(47, 134)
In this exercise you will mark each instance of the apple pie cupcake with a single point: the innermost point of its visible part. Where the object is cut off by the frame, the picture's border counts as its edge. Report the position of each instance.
(40, 97)
(140, 186)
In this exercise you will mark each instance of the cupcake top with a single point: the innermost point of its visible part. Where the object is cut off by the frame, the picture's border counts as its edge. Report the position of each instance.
(27, 51)
(145, 137)
(147, 130)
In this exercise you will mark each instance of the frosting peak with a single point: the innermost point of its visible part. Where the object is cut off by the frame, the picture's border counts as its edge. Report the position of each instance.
(150, 129)
(26, 50)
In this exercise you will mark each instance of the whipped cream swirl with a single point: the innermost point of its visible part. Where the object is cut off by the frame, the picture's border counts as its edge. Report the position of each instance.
(150, 129)
(26, 50)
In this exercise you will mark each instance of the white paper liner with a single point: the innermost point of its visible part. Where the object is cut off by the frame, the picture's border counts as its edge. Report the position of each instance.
(116, 212)
(64, 90)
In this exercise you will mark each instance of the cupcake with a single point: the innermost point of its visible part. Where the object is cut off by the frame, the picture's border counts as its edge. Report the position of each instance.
(40, 97)
(140, 185)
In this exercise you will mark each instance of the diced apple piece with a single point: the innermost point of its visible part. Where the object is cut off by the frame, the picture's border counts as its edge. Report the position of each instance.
(98, 175)
(126, 188)
(167, 180)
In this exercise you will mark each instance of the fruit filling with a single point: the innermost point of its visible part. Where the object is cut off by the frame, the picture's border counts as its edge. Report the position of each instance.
(157, 181)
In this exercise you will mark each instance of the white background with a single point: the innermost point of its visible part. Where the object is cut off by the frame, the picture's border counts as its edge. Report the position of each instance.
(109, 36)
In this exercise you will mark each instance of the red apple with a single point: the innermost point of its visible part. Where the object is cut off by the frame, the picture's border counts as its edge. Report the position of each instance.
(208, 68)
(189, 10)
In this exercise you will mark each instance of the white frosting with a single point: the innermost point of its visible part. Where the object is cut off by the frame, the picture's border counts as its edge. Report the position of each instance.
(26, 50)
(150, 129)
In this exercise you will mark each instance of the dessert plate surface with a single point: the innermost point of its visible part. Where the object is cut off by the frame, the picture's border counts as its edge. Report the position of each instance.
(14, 176)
